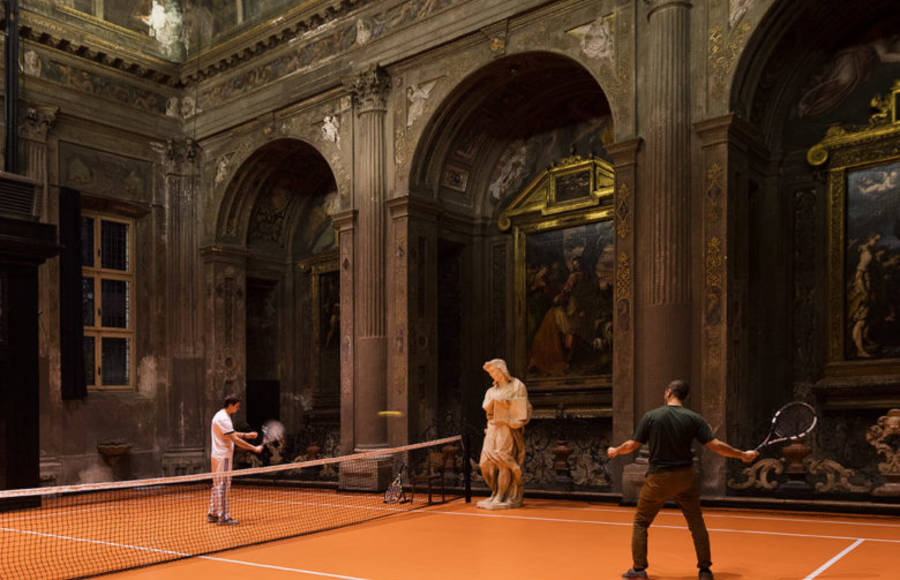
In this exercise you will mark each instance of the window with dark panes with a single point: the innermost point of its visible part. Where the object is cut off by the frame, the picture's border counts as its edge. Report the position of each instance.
(107, 290)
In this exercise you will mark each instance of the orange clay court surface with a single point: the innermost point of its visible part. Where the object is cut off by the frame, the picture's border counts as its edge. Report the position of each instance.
(561, 539)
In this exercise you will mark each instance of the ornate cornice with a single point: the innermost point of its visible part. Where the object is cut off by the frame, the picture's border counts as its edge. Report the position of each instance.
(370, 89)
(61, 36)
(265, 37)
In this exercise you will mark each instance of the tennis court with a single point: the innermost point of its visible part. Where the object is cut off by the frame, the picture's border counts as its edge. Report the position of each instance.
(296, 521)
(560, 539)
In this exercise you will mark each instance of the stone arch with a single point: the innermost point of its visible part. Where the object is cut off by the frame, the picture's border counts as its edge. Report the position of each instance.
(498, 129)
(274, 239)
(544, 80)
(261, 173)
(793, 41)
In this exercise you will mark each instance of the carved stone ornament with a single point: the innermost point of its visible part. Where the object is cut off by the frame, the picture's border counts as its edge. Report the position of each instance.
(370, 89)
(181, 149)
(828, 475)
(884, 436)
(37, 122)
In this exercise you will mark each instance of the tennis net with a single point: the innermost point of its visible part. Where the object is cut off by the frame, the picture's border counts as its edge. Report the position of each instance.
(86, 530)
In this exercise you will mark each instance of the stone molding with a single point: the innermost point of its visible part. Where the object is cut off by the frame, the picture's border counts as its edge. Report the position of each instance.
(655, 5)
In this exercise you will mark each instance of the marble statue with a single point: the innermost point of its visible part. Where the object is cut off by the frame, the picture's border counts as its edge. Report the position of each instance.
(508, 410)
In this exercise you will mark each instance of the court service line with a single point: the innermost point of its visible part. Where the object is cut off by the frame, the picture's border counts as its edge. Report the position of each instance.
(831, 562)
(180, 554)
(281, 568)
(737, 517)
(629, 524)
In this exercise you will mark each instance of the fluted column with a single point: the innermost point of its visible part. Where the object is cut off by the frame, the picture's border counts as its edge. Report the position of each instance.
(188, 409)
(664, 270)
(370, 91)
(33, 130)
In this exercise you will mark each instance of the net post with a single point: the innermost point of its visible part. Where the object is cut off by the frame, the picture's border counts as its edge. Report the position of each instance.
(467, 469)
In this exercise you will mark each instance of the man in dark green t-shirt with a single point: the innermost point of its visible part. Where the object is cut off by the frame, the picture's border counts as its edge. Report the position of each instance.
(670, 430)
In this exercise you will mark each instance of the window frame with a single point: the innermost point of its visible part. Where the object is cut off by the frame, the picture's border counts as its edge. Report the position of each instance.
(97, 331)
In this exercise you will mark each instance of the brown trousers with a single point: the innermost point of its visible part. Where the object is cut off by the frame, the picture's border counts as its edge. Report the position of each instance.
(680, 485)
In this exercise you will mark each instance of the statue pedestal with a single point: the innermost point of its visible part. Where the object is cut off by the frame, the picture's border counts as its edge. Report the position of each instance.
(633, 477)
(486, 504)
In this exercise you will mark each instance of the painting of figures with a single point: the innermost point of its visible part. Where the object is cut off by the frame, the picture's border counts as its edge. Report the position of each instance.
(569, 295)
(872, 259)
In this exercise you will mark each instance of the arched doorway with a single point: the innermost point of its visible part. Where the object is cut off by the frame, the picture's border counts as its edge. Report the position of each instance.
(498, 136)
(275, 231)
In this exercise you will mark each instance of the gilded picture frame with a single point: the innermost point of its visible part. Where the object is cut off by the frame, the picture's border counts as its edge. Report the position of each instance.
(863, 187)
(564, 247)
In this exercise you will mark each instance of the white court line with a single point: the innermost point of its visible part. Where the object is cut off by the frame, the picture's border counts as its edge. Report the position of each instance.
(282, 568)
(629, 524)
(181, 554)
(829, 563)
(737, 517)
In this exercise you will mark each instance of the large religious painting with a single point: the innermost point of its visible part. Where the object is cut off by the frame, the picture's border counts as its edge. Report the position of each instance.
(323, 370)
(329, 328)
(863, 166)
(564, 254)
(872, 262)
(569, 297)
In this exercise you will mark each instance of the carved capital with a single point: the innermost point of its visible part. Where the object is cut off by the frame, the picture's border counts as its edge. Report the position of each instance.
(181, 150)
(370, 89)
(654, 5)
(37, 122)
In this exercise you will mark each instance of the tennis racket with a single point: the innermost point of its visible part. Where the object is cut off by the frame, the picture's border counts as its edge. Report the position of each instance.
(272, 430)
(394, 492)
(792, 422)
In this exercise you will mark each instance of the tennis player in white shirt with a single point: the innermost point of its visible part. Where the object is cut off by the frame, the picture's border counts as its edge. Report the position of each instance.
(224, 437)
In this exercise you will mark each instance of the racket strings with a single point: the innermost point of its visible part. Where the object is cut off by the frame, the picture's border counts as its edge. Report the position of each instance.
(272, 431)
(794, 421)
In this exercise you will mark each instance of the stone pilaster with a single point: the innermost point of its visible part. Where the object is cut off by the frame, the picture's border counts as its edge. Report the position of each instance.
(624, 155)
(345, 224)
(34, 129)
(187, 407)
(224, 326)
(726, 145)
(663, 271)
(398, 324)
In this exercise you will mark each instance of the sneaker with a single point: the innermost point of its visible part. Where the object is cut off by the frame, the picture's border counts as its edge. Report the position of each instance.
(632, 573)
(212, 518)
(228, 522)
(705, 574)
